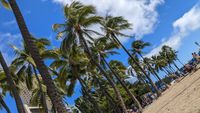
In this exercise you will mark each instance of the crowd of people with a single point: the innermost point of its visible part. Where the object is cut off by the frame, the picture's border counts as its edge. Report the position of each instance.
(193, 63)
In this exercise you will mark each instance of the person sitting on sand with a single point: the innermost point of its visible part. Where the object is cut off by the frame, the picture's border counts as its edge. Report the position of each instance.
(196, 57)
(188, 68)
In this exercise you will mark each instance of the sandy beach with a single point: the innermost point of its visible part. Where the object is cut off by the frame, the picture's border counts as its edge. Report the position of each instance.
(181, 97)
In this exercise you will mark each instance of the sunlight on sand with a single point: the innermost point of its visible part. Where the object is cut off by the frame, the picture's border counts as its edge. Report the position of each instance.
(181, 97)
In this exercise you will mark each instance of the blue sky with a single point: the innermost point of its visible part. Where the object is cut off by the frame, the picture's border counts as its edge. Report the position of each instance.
(171, 22)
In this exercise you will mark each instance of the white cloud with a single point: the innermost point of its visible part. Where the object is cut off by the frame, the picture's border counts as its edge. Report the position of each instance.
(9, 23)
(141, 13)
(189, 22)
(5, 40)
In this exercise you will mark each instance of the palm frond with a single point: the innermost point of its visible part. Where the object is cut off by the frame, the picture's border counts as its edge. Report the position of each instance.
(70, 89)
(49, 54)
(5, 4)
(29, 78)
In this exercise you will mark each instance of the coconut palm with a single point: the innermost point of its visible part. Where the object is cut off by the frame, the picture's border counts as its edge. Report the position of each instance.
(133, 70)
(38, 97)
(26, 67)
(116, 65)
(19, 103)
(51, 88)
(137, 47)
(104, 48)
(104, 90)
(2, 94)
(159, 64)
(112, 26)
(140, 76)
(71, 68)
(170, 55)
(75, 30)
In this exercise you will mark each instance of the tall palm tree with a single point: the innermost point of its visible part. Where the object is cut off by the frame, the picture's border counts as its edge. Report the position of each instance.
(140, 76)
(10, 82)
(26, 68)
(75, 30)
(104, 48)
(2, 94)
(104, 89)
(137, 47)
(169, 54)
(51, 88)
(115, 64)
(38, 97)
(19, 103)
(72, 67)
(112, 26)
(159, 64)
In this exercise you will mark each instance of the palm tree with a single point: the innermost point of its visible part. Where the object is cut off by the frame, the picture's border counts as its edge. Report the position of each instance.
(104, 48)
(159, 64)
(140, 76)
(113, 65)
(38, 97)
(137, 47)
(170, 56)
(78, 19)
(112, 26)
(71, 67)
(19, 103)
(32, 48)
(25, 66)
(2, 94)
(105, 91)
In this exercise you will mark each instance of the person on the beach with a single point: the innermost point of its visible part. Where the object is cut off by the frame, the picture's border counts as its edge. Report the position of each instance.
(196, 58)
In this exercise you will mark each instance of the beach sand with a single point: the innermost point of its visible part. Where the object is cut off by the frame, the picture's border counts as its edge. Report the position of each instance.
(181, 97)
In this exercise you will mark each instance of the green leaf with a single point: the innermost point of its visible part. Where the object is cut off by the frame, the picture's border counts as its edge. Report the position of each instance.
(5, 4)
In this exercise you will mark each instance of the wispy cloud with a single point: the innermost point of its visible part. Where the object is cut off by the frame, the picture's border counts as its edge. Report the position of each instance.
(5, 40)
(141, 14)
(9, 23)
(183, 26)
(27, 12)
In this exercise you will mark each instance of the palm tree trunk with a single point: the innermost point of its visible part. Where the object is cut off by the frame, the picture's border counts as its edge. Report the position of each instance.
(165, 71)
(176, 66)
(19, 103)
(148, 86)
(152, 70)
(142, 70)
(51, 88)
(180, 62)
(168, 70)
(44, 104)
(4, 104)
(171, 68)
(91, 99)
(177, 69)
(122, 82)
(93, 61)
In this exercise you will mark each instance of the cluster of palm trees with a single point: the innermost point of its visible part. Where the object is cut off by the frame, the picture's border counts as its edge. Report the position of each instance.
(82, 58)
